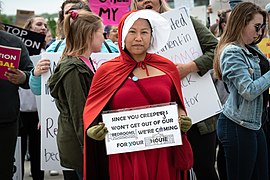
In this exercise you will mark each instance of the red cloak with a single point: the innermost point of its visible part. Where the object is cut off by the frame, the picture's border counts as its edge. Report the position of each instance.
(108, 78)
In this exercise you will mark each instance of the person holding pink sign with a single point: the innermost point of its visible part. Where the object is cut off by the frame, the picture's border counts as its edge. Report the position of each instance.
(136, 78)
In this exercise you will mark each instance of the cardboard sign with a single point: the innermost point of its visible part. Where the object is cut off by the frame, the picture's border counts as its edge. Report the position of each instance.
(99, 58)
(9, 58)
(111, 11)
(49, 113)
(200, 95)
(32, 40)
(49, 119)
(142, 129)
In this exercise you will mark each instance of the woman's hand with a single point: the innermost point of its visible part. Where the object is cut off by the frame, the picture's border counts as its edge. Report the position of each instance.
(97, 132)
(42, 66)
(185, 123)
(185, 69)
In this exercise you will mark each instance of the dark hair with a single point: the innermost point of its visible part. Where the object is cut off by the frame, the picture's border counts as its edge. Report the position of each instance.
(223, 18)
(80, 5)
(214, 29)
(60, 22)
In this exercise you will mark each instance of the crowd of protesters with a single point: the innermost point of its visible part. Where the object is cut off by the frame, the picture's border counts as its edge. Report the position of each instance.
(237, 140)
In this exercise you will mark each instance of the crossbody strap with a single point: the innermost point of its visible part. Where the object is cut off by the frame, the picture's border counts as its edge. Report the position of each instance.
(57, 46)
(107, 46)
(143, 90)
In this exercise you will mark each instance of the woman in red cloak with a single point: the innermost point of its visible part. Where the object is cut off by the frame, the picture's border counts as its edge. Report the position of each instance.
(141, 33)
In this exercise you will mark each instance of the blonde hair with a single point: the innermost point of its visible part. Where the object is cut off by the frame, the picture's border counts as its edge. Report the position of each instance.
(240, 17)
(164, 7)
(79, 31)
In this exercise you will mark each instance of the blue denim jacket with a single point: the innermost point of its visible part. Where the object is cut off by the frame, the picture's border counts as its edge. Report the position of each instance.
(241, 72)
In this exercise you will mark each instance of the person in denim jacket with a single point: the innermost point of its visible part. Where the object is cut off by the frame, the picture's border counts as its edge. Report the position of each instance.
(245, 70)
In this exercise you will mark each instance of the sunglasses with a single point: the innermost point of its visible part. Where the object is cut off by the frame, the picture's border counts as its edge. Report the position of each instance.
(259, 27)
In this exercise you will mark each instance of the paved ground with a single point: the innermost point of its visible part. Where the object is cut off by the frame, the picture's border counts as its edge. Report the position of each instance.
(47, 175)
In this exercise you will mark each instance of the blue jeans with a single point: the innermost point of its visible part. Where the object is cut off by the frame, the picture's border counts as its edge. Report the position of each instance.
(245, 150)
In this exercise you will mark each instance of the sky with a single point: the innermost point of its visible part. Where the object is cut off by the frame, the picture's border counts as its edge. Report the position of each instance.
(9, 7)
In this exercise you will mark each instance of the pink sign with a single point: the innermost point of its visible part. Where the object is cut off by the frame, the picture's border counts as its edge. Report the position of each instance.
(9, 58)
(110, 11)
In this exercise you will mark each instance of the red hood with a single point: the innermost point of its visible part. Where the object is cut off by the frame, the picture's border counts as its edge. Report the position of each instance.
(108, 78)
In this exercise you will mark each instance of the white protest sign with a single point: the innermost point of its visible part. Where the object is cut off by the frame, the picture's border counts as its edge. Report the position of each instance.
(200, 96)
(49, 112)
(99, 58)
(18, 161)
(49, 119)
(142, 129)
(35, 59)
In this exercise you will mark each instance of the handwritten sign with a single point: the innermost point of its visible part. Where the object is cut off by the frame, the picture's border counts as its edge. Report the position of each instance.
(99, 58)
(49, 119)
(111, 11)
(49, 112)
(9, 58)
(200, 96)
(142, 129)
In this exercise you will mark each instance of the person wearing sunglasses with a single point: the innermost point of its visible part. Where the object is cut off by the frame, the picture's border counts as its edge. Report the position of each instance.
(245, 71)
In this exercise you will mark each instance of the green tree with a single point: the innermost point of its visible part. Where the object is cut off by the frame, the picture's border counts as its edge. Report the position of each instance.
(52, 25)
(7, 19)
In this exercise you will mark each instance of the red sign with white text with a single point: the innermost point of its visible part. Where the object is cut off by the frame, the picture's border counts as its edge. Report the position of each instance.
(9, 58)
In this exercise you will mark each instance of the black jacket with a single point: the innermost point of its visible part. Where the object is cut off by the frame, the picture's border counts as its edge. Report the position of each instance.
(9, 96)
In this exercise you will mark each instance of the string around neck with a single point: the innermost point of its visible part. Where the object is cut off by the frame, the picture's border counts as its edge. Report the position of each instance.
(143, 65)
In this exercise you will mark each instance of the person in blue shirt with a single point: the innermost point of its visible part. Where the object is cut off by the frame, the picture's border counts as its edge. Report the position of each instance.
(245, 71)
(59, 46)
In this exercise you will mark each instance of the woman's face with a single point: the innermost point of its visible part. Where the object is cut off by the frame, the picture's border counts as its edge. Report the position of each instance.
(148, 4)
(97, 40)
(114, 34)
(138, 39)
(39, 25)
(253, 29)
(48, 37)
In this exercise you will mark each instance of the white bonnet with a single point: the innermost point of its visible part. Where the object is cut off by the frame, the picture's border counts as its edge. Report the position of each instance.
(267, 8)
(160, 28)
